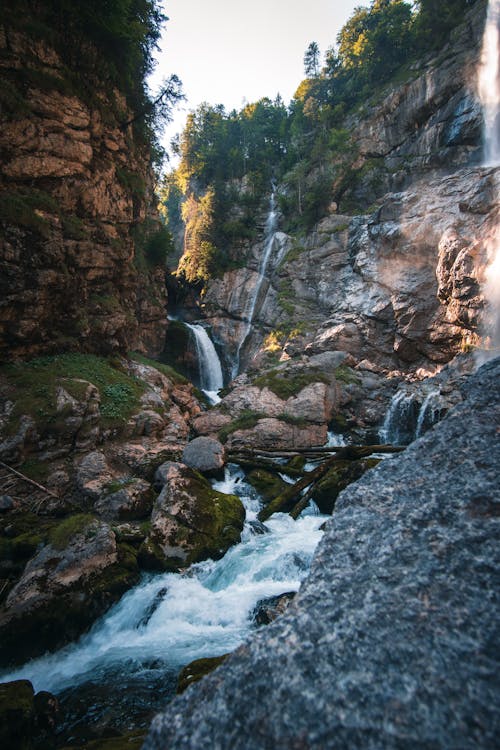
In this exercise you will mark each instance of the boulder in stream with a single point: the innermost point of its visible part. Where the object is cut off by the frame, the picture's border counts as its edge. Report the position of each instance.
(205, 454)
(190, 521)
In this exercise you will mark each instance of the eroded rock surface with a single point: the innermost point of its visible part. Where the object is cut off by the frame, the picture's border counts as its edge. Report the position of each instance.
(391, 640)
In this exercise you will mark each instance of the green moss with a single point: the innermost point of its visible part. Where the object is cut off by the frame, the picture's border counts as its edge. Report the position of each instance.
(131, 181)
(62, 534)
(285, 384)
(34, 469)
(295, 421)
(33, 386)
(347, 375)
(268, 484)
(197, 669)
(17, 715)
(245, 421)
(25, 545)
(73, 227)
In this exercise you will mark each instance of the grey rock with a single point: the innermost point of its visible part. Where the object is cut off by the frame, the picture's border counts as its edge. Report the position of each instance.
(390, 642)
(204, 454)
(6, 503)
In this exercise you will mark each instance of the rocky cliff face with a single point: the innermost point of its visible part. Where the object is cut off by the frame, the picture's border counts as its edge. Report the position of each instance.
(399, 282)
(75, 213)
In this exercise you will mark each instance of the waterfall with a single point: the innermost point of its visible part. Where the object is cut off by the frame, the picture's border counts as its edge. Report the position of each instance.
(270, 241)
(210, 370)
(399, 423)
(407, 419)
(169, 619)
(489, 84)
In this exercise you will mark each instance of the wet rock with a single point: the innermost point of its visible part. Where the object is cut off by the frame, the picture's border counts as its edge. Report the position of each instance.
(258, 527)
(64, 587)
(337, 479)
(6, 503)
(191, 521)
(396, 616)
(205, 454)
(267, 610)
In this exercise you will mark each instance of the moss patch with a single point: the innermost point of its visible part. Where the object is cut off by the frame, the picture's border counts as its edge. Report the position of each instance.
(285, 384)
(33, 388)
(267, 484)
(61, 535)
(245, 421)
(345, 374)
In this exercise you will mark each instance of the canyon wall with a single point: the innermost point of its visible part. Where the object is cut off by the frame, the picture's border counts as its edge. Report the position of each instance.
(397, 278)
(77, 214)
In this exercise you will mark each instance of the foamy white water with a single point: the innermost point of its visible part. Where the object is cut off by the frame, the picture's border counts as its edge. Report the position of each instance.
(209, 365)
(170, 619)
(489, 84)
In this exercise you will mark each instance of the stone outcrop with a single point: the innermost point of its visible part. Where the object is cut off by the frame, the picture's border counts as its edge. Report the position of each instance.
(76, 213)
(390, 641)
(190, 520)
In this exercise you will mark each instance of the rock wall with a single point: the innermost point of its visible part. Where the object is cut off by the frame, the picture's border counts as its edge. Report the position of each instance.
(390, 641)
(398, 282)
(76, 211)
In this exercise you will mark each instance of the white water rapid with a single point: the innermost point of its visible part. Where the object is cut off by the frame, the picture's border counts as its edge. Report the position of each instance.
(270, 241)
(210, 370)
(489, 84)
(170, 619)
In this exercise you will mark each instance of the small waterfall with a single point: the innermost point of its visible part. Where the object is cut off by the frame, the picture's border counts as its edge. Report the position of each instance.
(407, 419)
(210, 370)
(489, 84)
(399, 423)
(430, 412)
(270, 242)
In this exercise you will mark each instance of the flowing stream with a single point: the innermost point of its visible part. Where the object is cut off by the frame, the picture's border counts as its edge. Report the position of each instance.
(209, 366)
(128, 662)
(269, 244)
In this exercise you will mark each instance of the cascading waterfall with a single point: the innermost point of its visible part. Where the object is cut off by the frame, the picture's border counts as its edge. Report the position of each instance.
(171, 619)
(406, 419)
(489, 84)
(269, 244)
(210, 369)
(489, 93)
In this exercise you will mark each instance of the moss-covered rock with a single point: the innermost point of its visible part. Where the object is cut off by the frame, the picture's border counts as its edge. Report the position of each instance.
(69, 582)
(337, 479)
(191, 521)
(17, 714)
(195, 670)
(268, 484)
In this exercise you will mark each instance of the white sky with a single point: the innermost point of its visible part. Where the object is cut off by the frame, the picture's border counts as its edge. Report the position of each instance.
(232, 51)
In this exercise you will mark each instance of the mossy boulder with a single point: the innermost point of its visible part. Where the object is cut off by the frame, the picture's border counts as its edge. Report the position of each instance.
(27, 721)
(195, 670)
(268, 484)
(191, 521)
(76, 575)
(337, 479)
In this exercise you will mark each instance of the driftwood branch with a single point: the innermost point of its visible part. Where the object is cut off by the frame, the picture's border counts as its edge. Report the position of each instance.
(291, 499)
(28, 480)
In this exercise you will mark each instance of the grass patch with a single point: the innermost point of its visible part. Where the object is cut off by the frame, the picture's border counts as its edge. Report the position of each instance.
(33, 385)
(285, 385)
(61, 535)
(245, 421)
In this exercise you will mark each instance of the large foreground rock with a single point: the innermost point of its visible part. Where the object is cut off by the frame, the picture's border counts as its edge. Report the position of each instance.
(391, 641)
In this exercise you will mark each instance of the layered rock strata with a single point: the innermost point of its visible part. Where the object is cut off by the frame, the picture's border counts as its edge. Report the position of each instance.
(76, 211)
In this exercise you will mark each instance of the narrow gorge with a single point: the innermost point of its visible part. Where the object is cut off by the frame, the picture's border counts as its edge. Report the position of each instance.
(249, 406)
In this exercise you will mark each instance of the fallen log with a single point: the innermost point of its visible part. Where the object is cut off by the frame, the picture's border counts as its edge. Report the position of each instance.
(290, 500)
